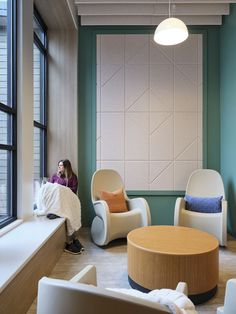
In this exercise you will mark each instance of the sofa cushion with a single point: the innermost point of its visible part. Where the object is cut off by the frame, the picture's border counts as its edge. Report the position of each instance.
(203, 204)
(115, 200)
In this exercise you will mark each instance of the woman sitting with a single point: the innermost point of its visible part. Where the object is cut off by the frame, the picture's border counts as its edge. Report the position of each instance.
(65, 175)
(57, 200)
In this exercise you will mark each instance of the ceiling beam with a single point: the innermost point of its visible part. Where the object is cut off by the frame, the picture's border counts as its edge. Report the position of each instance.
(151, 12)
(152, 1)
(153, 9)
(147, 20)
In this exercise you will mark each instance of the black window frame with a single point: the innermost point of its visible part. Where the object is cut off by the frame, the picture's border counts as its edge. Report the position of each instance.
(43, 48)
(11, 149)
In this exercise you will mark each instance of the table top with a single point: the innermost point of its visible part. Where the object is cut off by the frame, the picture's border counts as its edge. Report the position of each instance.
(172, 240)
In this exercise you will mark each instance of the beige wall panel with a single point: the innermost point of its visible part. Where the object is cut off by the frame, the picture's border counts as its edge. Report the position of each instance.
(157, 91)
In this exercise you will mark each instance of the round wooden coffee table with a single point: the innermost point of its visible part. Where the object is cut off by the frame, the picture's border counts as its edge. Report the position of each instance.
(161, 256)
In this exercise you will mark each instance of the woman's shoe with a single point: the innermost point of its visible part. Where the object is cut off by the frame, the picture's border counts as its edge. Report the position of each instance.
(77, 243)
(72, 249)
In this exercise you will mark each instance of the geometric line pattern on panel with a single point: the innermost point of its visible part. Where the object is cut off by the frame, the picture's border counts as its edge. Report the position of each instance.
(157, 93)
(160, 173)
(112, 75)
(160, 125)
(185, 149)
(136, 100)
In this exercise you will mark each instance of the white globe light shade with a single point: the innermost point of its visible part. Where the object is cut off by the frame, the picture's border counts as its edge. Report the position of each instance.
(171, 31)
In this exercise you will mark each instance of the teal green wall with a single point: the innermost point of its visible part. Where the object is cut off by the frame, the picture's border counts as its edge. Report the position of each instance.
(161, 203)
(228, 112)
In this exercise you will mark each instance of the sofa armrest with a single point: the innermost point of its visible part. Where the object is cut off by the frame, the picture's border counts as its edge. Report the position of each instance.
(182, 287)
(87, 275)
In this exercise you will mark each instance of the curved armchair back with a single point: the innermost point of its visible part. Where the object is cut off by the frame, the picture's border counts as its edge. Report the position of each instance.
(205, 183)
(107, 180)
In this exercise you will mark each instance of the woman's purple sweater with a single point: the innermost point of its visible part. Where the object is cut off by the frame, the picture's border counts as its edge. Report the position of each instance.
(72, 183)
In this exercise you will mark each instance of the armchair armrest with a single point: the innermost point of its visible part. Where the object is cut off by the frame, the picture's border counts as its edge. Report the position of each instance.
(142, 204)
(101, 209)
(179, 204)
(182, 287)
(101, 224)
(88, 276)
(224, 206)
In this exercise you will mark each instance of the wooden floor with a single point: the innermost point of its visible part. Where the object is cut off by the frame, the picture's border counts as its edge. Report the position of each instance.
(111, 263)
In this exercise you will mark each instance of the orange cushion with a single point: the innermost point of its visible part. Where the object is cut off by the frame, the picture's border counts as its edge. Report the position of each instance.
(115, 201)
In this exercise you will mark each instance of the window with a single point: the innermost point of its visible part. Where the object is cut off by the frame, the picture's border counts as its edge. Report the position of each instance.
(40, 83)
(7, 111)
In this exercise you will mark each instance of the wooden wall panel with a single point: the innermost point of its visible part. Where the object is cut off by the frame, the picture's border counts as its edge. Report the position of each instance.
(62, 98)
(56, 13)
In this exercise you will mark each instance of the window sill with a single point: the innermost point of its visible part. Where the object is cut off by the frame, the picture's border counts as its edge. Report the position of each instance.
(10, 227)
(21, 243)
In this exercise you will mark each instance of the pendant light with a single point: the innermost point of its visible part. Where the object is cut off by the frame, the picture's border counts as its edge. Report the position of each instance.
(171, 31)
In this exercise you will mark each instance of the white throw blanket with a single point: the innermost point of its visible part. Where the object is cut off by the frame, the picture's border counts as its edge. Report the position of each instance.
(177, 302)
(61, 201)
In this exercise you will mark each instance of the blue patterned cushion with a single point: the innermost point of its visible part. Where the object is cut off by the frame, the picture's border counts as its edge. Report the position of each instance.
(203, 204)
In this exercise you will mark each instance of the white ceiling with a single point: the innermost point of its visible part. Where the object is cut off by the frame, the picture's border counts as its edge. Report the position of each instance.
(151, 12)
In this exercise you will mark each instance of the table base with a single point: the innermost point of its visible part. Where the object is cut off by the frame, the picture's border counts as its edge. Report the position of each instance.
(195, 298)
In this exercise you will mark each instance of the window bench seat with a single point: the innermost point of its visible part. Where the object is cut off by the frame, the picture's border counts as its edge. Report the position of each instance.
(27, 253)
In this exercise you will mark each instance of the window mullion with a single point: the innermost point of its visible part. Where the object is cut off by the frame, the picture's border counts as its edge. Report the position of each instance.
(40, 96)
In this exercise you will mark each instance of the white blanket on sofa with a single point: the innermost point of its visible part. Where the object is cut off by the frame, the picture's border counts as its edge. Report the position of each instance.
(61, 201)
(177, 302)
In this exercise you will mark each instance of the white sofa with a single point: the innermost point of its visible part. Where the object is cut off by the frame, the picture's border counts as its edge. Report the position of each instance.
(80, 295)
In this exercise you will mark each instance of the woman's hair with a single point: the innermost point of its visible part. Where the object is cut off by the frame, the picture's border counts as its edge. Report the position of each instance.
(68, 169)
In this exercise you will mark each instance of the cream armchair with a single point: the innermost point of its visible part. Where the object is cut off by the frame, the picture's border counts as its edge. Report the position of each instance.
(108, 226)
(204, 183)
(80, 295)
